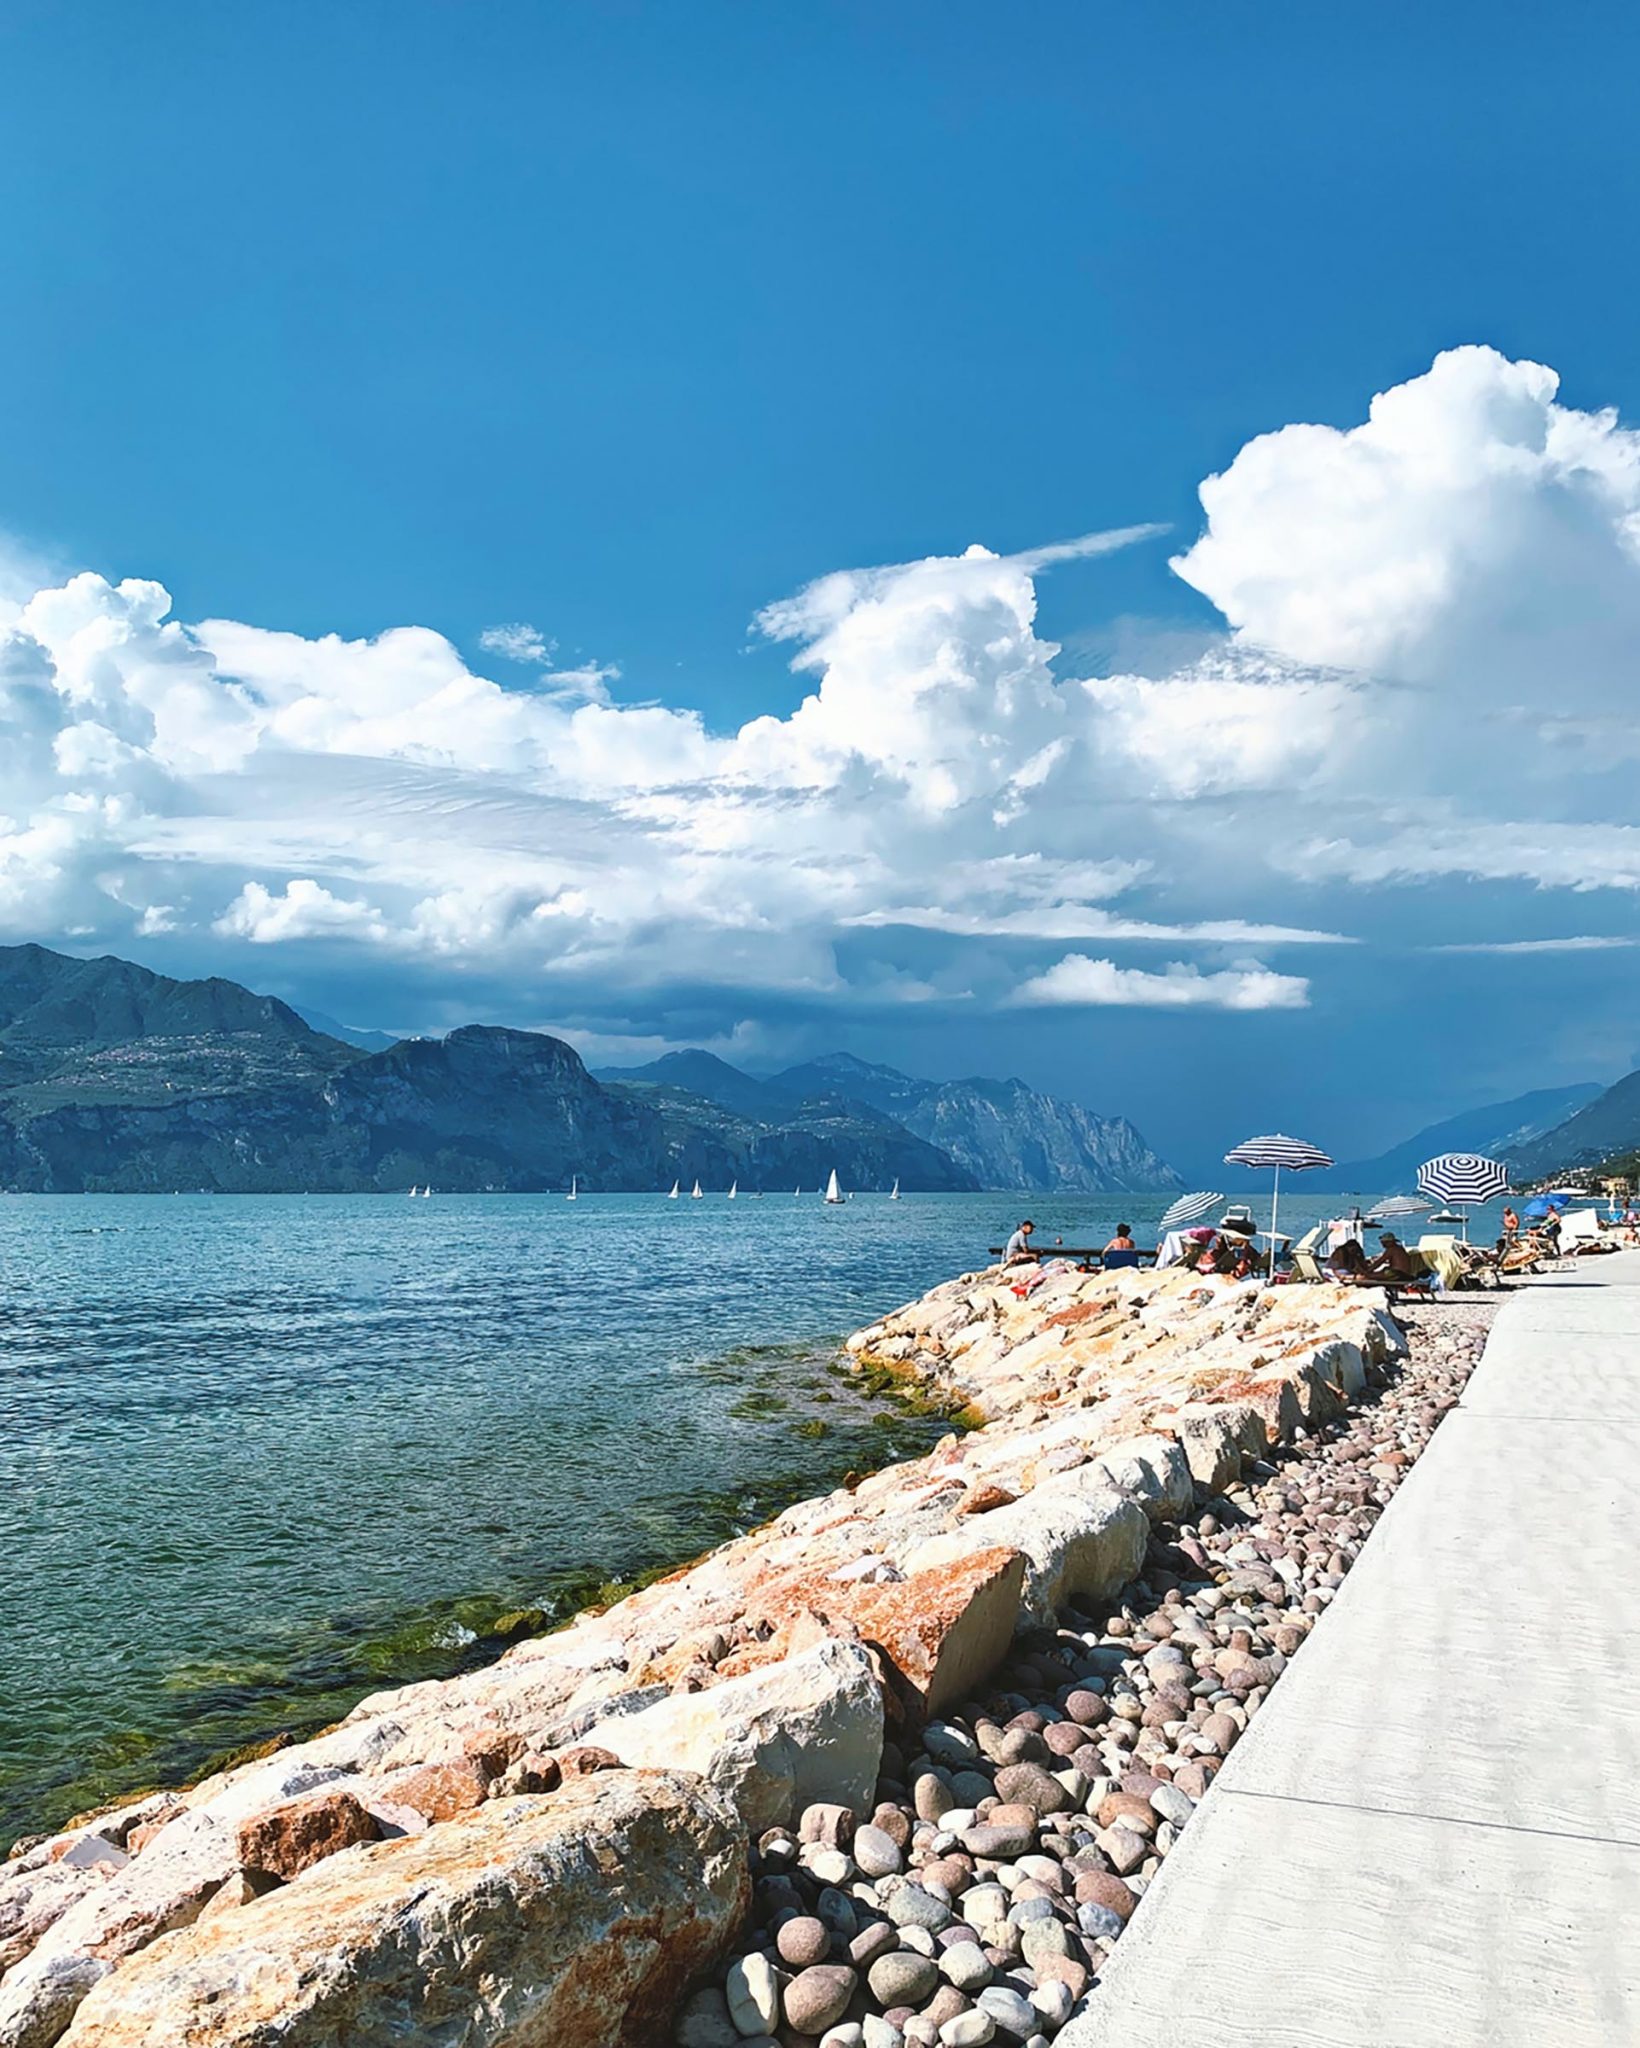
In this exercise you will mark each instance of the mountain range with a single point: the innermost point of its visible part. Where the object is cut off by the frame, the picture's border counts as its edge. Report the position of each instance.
(1606, 1127)
(1502, 1130)
(1004, 1134)
(114, 1078)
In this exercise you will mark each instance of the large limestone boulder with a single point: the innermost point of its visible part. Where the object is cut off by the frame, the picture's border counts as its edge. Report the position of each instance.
(944, 1631)
(1152, 1470)
(778, 1739)
(1216, 1437)
(1077, 1545)
(575, 1919)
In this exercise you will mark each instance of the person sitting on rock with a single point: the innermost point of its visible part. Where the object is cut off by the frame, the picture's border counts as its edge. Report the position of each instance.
(1018, 1250)
(1121, 1251)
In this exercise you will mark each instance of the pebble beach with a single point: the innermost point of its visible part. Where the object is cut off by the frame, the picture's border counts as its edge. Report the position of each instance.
(1007, 1849)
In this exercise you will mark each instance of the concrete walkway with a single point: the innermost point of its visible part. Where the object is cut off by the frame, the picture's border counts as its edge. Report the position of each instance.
(1431, 1834)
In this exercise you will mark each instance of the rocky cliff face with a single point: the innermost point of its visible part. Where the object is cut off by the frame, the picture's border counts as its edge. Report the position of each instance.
(114, 1079)
(1602, 1128)
(1005, 1134)
(795, 1145)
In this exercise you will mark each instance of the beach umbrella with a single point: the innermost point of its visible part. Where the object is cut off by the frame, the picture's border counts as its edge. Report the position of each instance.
(1463, 1179)
(1545, 1205)
(1276, 1152)
(1186, 1209)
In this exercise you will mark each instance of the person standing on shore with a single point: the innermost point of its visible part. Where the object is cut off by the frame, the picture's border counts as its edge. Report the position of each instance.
(1511, 1223)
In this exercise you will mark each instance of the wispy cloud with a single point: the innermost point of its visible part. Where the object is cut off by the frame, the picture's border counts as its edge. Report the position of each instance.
(1587, 944)
(517, 643)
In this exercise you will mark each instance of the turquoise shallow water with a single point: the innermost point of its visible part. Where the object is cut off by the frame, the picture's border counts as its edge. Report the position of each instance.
(261, 1455)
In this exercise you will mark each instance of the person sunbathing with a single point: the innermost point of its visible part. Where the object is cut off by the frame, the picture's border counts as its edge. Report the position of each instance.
(1121, 1251)
(1394, 1261)
(1350, 1264)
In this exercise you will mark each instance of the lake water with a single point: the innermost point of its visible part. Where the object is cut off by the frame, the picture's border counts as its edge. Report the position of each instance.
(261, 1455)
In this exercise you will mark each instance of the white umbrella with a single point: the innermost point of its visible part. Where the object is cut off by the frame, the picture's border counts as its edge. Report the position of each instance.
(1277, 1151)
(1462, 1179)
(1186, 1209)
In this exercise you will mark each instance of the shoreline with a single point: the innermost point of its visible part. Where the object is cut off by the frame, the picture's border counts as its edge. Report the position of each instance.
(773, 1669)
(477, 1629)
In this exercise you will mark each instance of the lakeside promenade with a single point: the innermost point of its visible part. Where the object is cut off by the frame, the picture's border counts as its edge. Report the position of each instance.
(1431, 1834)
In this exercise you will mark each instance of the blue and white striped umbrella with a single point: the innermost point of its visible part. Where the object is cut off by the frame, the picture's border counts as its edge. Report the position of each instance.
(1277, 1151)
(1186, 1210)
(1463, 1178)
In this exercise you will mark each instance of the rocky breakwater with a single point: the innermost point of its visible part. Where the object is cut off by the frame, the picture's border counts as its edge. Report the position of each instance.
(1011, 1841)
(556, 1847)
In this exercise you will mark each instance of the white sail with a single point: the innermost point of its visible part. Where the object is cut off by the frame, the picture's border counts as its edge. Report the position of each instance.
(695, 1193)
(833, 1193)
(570, 1197)
(894, 1192)
(734, 1189)
(674, 1194)
(797, 1194)
(426, 1191)
(414, 1192)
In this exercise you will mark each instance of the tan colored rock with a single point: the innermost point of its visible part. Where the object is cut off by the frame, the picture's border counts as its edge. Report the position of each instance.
(944, 1631)
(33, 1900)
(774, 1741)
(295, 1836)
(1076, 1545)
(435, 1791)
(576, 1920)
(241, 1889)
(1215, 1438)
(164, 1888)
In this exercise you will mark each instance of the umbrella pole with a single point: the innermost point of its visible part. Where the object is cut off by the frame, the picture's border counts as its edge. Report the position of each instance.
(1275, 1203)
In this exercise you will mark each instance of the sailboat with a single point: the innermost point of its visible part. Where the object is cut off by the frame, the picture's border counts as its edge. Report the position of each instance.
(734, 1189)
(570, 1197)
(797, 1194)
(674, 1194)
(695, 1194)
(414, 1192)
(833, 1192)
(426, 1191)
(894, 1192)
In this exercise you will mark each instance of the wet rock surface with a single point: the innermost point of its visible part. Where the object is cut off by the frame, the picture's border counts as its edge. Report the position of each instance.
(1031, 1818)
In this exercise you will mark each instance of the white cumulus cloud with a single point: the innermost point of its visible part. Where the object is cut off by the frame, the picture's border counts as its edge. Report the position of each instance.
(302, 910)
(1077, 979)
(1425, 676)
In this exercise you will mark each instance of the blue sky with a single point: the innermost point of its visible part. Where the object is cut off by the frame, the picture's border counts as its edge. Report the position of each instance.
(629, 323)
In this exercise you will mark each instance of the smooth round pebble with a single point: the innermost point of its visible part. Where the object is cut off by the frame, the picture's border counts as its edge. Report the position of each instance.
(1013, 2014)
(902, 1978)
(877, 1854)
(803, 1941)
(753, 1991)
(964, 1964)
(1099, 1922)
(817, 1998)
(968, 2030)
